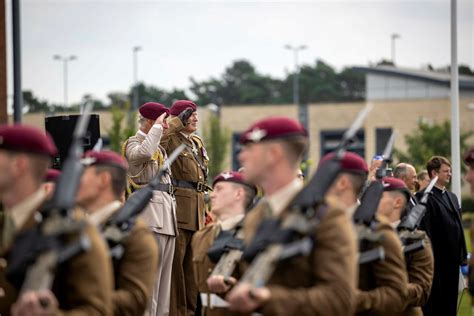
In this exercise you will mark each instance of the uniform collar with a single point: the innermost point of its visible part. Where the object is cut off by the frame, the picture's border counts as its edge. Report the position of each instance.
(24, 210)
(395, 224)
(280, 198)
(100, 216)
(231, 222)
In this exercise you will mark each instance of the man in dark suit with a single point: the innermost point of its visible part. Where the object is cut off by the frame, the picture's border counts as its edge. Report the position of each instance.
(442, 223)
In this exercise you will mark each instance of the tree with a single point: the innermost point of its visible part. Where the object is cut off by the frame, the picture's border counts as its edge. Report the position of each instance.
(33, 104)
(118, 133)
(429, 140)
(217, 140)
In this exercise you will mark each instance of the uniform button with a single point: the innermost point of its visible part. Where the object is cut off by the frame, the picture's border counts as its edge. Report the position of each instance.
(3, 263)
(200, 177)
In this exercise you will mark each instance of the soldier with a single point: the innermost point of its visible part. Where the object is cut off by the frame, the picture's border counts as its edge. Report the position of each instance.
(382, 284)
(83, 284)
(422, 180)
(419, 264)
(321, 283)
(102, 185)
(230, 197)
(350, 181)
(189, 179)
(442, 222)
(145, 156)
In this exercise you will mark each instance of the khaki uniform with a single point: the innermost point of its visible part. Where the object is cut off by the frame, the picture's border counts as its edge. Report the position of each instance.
(420, 267)
(145, 156)
(322, 283)
(190, 213)
(135, 272)
(82, 285)
(203, 239)
(383, 284)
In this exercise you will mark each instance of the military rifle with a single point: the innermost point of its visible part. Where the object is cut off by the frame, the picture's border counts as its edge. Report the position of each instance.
(411, 237)
(59, 235)
(119, 226)
(277, 240)
(364, 216)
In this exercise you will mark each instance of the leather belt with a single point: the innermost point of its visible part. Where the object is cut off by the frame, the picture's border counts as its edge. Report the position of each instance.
(198, 186)
(164, 187)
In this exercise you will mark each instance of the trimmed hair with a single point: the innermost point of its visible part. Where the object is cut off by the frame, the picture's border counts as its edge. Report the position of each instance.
(295, 148)
(249, 194)
(434, 164)
(358, 181)
(118, 178)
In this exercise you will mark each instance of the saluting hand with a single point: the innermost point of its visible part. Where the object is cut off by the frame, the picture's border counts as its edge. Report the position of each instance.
(185, 115)
(161, 120)
(243, 298)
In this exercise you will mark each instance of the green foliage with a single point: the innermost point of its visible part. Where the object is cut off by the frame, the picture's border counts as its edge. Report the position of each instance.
(155, 94)
(467, 204)
(118, 133)
(242, 84)
(429, 140)
(217, 140)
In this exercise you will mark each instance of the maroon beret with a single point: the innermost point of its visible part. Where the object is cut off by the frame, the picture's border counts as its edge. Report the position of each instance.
(52, 175)
(152, 110)
(181, 105)
(272, 128)
(395, 184)
(105, 157)
(232, 176)
(469, 157)
(350, 162)
(26, 139)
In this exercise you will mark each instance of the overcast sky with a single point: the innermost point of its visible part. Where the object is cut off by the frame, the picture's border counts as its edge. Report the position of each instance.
(201, 38)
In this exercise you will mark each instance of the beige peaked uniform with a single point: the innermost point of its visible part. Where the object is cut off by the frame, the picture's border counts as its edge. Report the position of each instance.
(203, 239)
(190, 214)
(135, 272)
(383, 284)
(83, 285)
(145, 156)
(322, 283)
(420, 267)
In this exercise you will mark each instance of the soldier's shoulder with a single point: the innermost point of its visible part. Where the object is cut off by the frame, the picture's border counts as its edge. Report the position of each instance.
(198, 140)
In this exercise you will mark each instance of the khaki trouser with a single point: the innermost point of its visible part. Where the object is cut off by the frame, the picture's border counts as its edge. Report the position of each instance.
(160, 300)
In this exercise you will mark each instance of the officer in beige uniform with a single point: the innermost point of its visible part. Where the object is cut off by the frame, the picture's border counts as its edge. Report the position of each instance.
(145, 156)
(189, 180)
(83, 284)
(321, 283)
(230, 198)
(102, 185)
(420, 264)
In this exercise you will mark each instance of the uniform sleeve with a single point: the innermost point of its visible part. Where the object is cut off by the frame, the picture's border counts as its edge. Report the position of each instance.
(140, 152)
(174, 127)
(88, 281)
(420, 275)
(136, 274)
(334, 262)
(390, 278)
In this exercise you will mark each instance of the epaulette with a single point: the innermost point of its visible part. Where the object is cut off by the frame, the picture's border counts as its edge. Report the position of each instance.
(198, 140)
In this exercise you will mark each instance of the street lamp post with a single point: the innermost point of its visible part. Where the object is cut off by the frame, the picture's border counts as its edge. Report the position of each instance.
(136, 49)
(394, 37)
(65, 60)
(296, 92)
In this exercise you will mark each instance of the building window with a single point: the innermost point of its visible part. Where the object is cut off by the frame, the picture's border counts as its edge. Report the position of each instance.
(235, 150)
(382, 136)
(330, 139)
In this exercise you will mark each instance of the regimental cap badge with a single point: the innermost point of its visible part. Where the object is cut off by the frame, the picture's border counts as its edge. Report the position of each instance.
(257, 135)
(227, 175)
